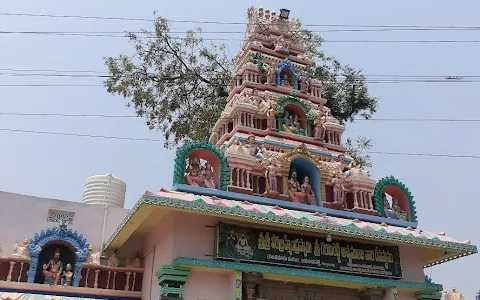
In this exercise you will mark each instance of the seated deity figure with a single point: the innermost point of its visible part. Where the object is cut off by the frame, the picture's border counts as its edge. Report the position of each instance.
(398, 210)
(338, 189)
(209, 176)
(250, 144)
(242, 247)
(296, 125)
(306, 189)
(193, 172)
(287, 123)
(53, 269)
(67, 275)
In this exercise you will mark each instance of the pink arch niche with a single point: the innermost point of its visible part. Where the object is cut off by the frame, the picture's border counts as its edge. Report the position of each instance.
(399, 195)
(295, 110)
(212, 160)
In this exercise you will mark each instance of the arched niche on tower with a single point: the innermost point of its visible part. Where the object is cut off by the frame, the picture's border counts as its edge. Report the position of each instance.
(304, 168)
(402, 206)
(286, 71)
(291, 110)
(201, 164)
(42, 248)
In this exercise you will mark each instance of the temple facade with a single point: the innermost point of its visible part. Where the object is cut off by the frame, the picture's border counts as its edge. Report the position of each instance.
(270, 208)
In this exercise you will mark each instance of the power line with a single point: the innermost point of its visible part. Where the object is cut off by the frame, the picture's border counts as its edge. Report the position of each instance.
(161, 140)
(58, 71)
(232, 39)
(133, 116)
(233, 23)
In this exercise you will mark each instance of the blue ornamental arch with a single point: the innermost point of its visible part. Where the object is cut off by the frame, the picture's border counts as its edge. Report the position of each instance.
(286, 63)
(58, 234)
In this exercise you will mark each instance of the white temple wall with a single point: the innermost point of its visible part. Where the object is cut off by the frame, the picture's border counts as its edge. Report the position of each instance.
(23, 216)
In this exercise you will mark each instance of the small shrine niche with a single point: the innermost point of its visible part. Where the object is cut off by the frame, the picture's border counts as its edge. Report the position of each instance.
(202, 169)
(395, 203)
(304, 182)
(393, 200)
(287, 78)
(294, 120)
(54, 256)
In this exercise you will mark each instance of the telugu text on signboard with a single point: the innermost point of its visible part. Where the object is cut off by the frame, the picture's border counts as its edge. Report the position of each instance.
(270, 247)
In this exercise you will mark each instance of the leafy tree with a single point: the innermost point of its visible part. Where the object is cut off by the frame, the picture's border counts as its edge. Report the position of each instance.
(180, 84)
(356, 151)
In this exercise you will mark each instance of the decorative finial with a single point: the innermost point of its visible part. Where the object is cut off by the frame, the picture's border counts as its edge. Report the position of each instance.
(260, 12)
(267, 14)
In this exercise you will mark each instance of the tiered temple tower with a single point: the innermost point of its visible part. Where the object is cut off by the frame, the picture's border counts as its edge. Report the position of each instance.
(279, 138)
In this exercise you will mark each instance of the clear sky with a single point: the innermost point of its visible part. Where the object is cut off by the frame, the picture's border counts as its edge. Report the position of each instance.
(445, 189)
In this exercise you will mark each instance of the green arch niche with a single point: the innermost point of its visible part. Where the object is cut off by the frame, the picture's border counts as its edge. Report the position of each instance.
(186, 149)
(292, 99)
(392, 181)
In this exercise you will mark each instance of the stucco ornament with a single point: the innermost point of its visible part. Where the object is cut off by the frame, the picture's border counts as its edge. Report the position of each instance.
(58, 234)
(378, 201)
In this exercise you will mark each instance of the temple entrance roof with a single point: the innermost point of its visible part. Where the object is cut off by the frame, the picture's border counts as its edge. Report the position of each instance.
(436, 247)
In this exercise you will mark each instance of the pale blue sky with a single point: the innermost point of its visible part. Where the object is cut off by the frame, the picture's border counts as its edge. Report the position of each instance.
(445, 189)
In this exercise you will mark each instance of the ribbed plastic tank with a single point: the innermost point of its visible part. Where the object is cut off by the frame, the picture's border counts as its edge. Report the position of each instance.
(104, 189)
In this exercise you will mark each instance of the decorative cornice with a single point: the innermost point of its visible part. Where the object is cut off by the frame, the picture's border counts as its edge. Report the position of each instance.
(245, 267)
(199, 205)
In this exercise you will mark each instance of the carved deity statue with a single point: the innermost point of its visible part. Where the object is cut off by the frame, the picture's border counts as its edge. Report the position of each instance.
(113, 260)
(271, 75)
(293, 187)
(193, 173)
(209, 176)
(93, 257)
(306, 189)
(389, 212)
(272, 115)
(67, 275)
(398, 210)
(250, 145)
(135, 262)
(290, 123)
(271, 175)
(20, 250)
(338, 189)
(53, 269)
(319, 128)
(280, 44)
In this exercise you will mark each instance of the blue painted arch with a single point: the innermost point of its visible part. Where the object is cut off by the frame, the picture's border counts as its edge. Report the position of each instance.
(304, 168)
(286, 63)
(59, 234)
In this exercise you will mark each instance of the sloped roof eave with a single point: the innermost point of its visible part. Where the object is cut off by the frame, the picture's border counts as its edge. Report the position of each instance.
(295, 219)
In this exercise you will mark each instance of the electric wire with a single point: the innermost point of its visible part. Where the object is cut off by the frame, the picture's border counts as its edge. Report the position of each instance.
(162, 140)
(232, 39)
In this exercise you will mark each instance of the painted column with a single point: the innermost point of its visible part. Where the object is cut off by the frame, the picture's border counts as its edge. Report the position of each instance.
(355, 200)
(369, 198)
(248, 179)
(238, 286)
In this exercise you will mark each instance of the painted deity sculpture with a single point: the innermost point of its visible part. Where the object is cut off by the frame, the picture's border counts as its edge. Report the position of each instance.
(209, 176)
(271, 175)
(319, 128)
(67, 275)
(53, 269)
(398, 211)
(113, 260)
(272, 115)
(20, 250)
(338, 189)
(271, 74)
(93, 257)
(134, 262)
(291, 124)
(389, 212)
(193, 172)
(306, 189)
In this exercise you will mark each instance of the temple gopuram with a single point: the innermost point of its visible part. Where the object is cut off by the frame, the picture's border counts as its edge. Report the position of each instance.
(269, 208)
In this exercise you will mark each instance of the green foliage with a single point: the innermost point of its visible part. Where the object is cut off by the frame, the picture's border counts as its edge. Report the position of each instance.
(356, 151)
(180, 85)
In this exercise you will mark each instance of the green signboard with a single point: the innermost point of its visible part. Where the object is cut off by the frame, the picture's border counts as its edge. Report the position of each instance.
(279, 248)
